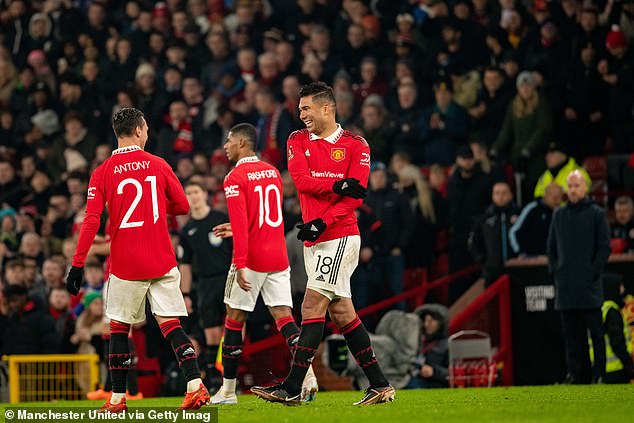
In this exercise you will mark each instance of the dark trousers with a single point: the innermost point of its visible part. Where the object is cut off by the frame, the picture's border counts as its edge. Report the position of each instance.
(371, 279)
(576, 324)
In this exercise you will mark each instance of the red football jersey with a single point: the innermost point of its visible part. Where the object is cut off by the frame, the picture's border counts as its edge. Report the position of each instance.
(140, 189)
(253, 190)
(315, 164)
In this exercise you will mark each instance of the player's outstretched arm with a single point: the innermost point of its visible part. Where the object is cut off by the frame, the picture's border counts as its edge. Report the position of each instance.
(95, 202)
(223, 230)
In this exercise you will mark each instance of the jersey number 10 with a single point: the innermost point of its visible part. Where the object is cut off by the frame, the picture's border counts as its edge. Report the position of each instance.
(265, 205)
(139, 193)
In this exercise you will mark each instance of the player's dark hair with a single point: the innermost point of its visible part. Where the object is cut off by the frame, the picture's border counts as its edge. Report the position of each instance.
(246, 131)
(126, 120)
(320, 92)
(196, 184)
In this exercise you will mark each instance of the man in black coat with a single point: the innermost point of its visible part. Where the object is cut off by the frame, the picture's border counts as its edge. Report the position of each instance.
(578, 249)
(26, 329)
(469, 193)
(489, 240)
(384, 244)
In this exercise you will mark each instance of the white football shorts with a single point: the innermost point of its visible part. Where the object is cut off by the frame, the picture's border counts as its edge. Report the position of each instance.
(125, 300)
(275, 288)
(329, 266)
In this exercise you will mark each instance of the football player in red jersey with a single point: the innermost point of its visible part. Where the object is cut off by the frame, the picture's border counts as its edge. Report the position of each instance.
(330, 167)
(253, 190)
(140, 189)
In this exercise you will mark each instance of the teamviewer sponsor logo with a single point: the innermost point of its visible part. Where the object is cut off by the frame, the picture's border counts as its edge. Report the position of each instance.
(329, 175)
(231, 191)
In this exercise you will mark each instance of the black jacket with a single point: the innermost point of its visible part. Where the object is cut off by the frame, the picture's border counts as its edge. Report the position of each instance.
(434, 349)
(578, 248)
(29, 332)
(489, 241)
(394, 224)
(529, 233)
(468, 198)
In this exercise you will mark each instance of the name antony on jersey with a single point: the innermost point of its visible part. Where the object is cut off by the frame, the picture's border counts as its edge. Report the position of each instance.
(126, 167)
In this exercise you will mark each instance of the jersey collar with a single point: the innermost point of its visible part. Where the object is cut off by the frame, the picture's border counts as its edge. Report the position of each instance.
(249, 159)
(332, 138)
(128, 149)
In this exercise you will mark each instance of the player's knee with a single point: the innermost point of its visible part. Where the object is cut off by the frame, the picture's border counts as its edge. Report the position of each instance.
(237, 315)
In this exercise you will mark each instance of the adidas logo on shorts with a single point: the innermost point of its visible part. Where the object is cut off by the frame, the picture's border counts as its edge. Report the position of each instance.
(320, 278)
(189, 351)
(128, 362)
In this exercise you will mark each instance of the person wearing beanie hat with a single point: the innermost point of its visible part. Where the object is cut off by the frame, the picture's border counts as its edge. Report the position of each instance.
(90, 297)
(525, 133)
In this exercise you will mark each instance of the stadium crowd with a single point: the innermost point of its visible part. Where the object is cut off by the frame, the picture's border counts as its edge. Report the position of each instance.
(463, 103)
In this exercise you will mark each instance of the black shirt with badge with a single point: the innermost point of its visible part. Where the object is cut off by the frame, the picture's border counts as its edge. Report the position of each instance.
(208, 254)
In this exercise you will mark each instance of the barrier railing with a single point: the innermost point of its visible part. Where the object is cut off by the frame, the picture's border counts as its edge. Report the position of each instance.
(420, 291)
(51, 377)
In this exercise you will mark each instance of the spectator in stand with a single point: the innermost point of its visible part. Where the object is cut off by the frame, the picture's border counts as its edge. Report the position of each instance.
(274, 125)
(526, 129)
(13, 272)
(623, 227)
(390, 236)
(558, 167)
(404, 130)
(53, 271)
(443, 127)
(59, 214)
(24, 327)
(355, 50)
(374, 120)
(494, 97)
(11, 188)
(59, 310)
(72, 151)
(618, 72)
(468, 195)
(585, 101)
(88, 331)
(427, 207)
(578, 248)
(370, 81)
(176, 140)
(149, 97)
(489, 241)
(431, 367)
(529, 233)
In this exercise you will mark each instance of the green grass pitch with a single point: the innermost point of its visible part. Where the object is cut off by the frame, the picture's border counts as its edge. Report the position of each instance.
(597, 403)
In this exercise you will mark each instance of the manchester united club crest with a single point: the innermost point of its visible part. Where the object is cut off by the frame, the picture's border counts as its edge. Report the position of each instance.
(338, 154)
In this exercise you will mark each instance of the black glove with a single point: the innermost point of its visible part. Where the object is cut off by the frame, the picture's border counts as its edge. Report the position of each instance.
(349, 187)
(310, 231)
(74, 279)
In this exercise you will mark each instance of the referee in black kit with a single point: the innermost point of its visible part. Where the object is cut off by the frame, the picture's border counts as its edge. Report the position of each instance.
(210, 257)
